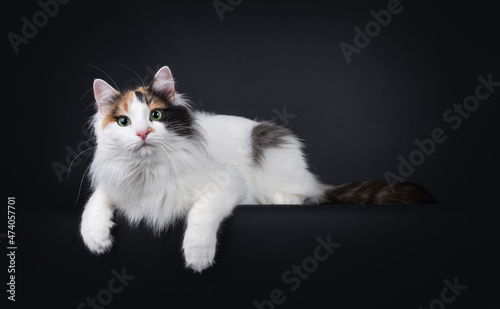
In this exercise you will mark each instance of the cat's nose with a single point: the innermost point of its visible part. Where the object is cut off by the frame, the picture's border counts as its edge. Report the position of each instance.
(143, 134)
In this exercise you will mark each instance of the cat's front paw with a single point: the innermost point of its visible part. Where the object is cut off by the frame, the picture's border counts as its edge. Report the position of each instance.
(199, 258)
(97, 236)
(199, 250)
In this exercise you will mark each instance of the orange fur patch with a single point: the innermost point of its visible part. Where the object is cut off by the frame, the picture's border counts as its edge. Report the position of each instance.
(119, 108)
(157, 104)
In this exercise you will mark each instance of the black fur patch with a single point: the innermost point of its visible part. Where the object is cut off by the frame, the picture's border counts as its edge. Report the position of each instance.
(267, 135)
(167, 99)
(140, 96)
(178, 119)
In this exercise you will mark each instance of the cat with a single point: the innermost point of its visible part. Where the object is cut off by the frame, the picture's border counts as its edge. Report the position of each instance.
(158, 160)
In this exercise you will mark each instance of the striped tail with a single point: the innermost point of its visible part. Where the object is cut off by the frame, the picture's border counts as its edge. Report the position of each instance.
(377, 192)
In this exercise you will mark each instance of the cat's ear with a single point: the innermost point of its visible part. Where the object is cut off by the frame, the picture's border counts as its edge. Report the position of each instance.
(163, 84)
(104, 95)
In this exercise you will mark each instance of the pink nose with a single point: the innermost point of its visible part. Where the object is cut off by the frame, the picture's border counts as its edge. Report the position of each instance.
(143, 134)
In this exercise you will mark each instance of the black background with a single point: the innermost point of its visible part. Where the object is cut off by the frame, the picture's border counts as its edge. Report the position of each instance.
(355, 119)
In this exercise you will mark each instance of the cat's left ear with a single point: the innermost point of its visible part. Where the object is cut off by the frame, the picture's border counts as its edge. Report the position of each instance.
(104, 95)
(163, 84)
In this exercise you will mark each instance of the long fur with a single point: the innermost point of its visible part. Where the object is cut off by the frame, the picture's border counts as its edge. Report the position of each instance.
(197, 166)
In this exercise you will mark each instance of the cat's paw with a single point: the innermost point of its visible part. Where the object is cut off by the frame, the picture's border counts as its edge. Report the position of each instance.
(199, 258)
(97, 237)
(199, 249)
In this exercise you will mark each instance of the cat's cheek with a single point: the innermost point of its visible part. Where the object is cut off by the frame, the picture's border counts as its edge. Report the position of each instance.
(159, 130)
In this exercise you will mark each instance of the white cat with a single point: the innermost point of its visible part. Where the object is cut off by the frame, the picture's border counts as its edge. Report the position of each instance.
(158, 160)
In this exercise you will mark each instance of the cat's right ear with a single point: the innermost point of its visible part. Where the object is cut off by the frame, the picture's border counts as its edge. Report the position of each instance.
(104, 95)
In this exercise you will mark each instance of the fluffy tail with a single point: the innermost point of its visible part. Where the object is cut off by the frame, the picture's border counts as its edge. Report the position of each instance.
(377, 192)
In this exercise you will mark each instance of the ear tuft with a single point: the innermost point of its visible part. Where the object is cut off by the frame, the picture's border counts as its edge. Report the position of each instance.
(104, 95)
(163, 84)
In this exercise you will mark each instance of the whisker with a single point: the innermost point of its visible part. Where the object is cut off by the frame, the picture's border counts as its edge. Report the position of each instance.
(182, 159)
(85, 160)
(125, 85)
(171, 165)
(166, 152)
(76, 158)
(91, 103)
(86, 93)
(178, 157)
(80, 188)
(142, 82)
(104, 73)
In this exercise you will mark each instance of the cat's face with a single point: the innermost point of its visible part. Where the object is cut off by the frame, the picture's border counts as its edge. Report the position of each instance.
(145, 119)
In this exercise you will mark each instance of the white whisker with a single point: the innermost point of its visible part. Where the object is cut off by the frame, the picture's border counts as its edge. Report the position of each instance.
(80, 188)
(142, 82)
(116, 86)
(69, 169)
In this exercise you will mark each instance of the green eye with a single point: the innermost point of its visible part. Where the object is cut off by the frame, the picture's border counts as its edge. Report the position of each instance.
(155, 115)
(123, 121)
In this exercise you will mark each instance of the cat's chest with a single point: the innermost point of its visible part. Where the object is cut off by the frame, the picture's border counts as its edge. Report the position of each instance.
(133, 183)
(158, 199)
(149, 184)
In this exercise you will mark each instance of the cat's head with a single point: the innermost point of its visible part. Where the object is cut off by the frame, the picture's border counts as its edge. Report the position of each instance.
(144, 119)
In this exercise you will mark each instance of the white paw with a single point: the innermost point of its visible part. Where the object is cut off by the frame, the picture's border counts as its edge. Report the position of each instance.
(97, 236)
(199, 252)
(199, 258)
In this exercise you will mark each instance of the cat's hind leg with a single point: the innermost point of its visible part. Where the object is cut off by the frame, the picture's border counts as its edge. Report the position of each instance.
(280, 173)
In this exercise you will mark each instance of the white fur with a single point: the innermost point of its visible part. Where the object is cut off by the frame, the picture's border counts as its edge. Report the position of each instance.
(176, 177)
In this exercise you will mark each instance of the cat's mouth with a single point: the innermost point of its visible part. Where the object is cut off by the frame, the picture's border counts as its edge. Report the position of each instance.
(144, 148)
(140, 146)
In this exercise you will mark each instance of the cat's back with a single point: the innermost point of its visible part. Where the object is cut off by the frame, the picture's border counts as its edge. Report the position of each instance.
(225, 125)
(228, 137)
(225, 129)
